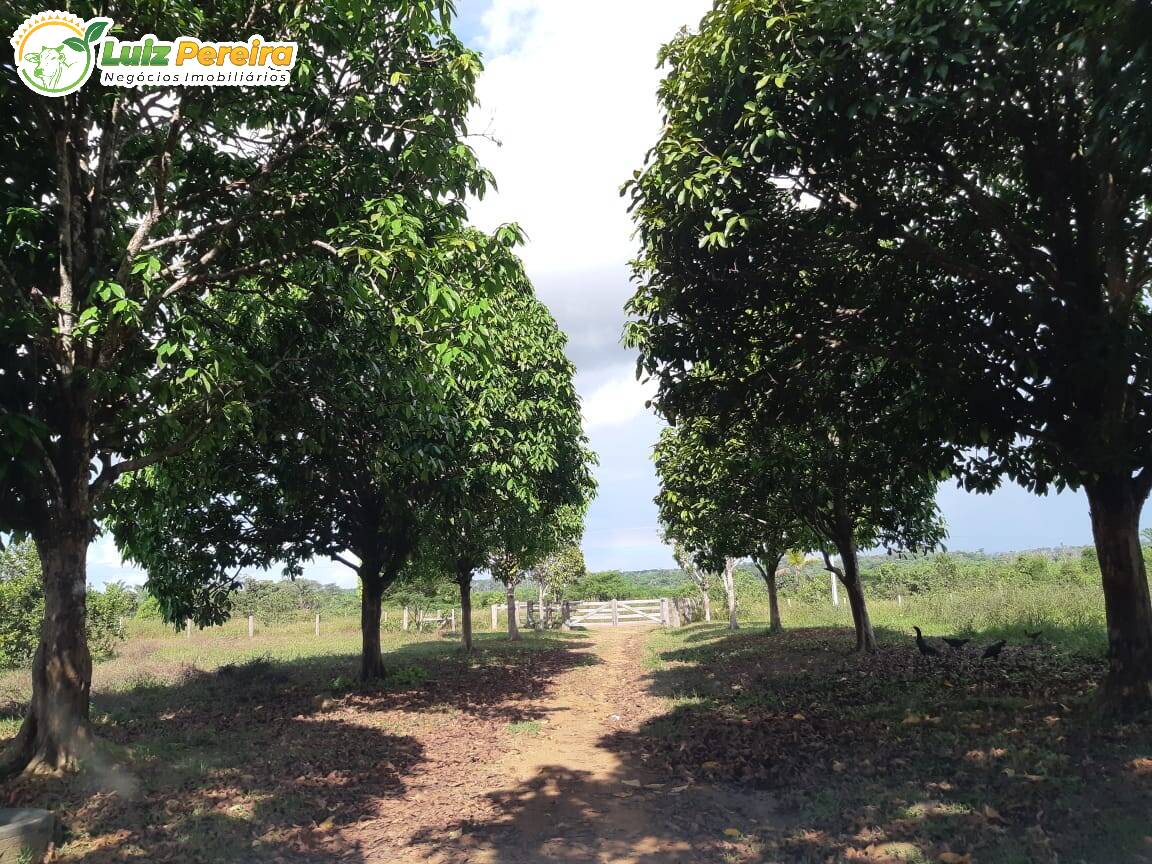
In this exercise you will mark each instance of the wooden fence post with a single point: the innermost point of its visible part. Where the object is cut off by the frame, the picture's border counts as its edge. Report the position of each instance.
(405, 618)
(317, 623)
(663, 611)
(835, 592)
(565, 615)
(615, 614)
(495, 616)
(251, 626)
(452, 619)
(900, 600)
(188, 627)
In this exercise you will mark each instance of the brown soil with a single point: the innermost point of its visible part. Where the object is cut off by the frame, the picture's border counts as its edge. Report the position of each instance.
(515, 756)
(560, 794)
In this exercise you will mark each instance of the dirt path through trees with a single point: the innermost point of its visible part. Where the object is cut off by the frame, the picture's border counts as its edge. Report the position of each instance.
(563, 794)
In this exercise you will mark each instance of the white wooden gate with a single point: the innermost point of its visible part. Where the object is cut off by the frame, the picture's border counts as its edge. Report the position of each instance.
(613, 613)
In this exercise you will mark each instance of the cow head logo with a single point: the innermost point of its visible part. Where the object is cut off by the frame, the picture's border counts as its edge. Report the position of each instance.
(56, 51)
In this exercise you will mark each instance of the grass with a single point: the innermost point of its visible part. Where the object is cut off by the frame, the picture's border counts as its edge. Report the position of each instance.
(223, 749)
(1070, 615)
(900, 757)
(524, 727)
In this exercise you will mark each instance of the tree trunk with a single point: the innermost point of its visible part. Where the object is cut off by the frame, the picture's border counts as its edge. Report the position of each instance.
(372, 585)
(1115, 509)
(56, 732)
(464, 580)
(729, 582)
(850, 578)
(774, 623)
(513, 628)
(768, 568)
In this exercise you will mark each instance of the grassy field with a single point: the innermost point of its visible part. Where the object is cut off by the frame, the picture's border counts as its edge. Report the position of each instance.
(1069, 615)
(219, 748)
(899, 757)
(207, 740)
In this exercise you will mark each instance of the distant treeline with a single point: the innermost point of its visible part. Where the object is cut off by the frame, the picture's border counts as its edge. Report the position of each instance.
(275, 601)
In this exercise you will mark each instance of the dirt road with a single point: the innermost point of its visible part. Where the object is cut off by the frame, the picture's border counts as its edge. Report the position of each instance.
(561, 793)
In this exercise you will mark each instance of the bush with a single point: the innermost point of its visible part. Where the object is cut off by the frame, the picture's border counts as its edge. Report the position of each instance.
(22, 609)
(21, 604)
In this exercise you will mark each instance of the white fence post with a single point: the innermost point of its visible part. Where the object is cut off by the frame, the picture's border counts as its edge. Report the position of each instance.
(405, 622)
(835, 592)
(900, 600)
(251, 626)
(495, 614)
(317, 623)
(188, 627)
(452, 619)
(615, 613)
(663, 611)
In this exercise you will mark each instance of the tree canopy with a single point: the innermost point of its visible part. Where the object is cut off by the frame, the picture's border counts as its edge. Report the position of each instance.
(148, 232)
(973, 181)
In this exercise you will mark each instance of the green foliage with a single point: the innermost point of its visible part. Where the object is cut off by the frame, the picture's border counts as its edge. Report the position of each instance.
(560, 570)
(21, 604)
(908, 174)
(22, 609)
(149, 609)
(607, 585)
(406, 677)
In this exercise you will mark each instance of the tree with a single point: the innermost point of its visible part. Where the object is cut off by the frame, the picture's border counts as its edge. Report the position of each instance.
(559, 523)
(708, 493)
(557, 571)
(349, 458)
(982, 165)
(141, 222)
(824, 471)
(524, 468)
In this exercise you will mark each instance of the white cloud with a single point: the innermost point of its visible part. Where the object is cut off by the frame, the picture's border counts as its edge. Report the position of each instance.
(569, 89)
(617, 401)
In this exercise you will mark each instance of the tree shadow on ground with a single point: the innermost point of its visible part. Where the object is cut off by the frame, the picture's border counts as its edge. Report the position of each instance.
(283, 761)
(499, 680)
(893, 754)
(568, 815)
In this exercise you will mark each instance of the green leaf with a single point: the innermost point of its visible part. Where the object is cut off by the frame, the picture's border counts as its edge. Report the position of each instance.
(94, 31)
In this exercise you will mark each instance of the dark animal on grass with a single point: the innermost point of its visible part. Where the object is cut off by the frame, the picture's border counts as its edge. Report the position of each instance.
(993, 650)
(925, 649)
(956, 644)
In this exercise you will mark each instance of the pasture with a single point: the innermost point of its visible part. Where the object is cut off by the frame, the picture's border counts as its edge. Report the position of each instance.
(630, 744)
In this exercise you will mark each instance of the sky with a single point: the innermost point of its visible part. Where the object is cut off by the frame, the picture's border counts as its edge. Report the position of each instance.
(567, 111)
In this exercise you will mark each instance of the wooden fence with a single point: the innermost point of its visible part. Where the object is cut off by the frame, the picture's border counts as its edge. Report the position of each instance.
(662, 611)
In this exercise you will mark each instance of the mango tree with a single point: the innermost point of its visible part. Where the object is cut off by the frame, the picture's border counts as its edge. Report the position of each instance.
(349, 457)
(984, 166)
(525, 543)
(146, 229)
(521, 456)
(708, 491)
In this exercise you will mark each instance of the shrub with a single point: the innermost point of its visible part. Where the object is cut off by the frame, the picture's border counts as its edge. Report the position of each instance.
(21, 604)
(22, 609)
